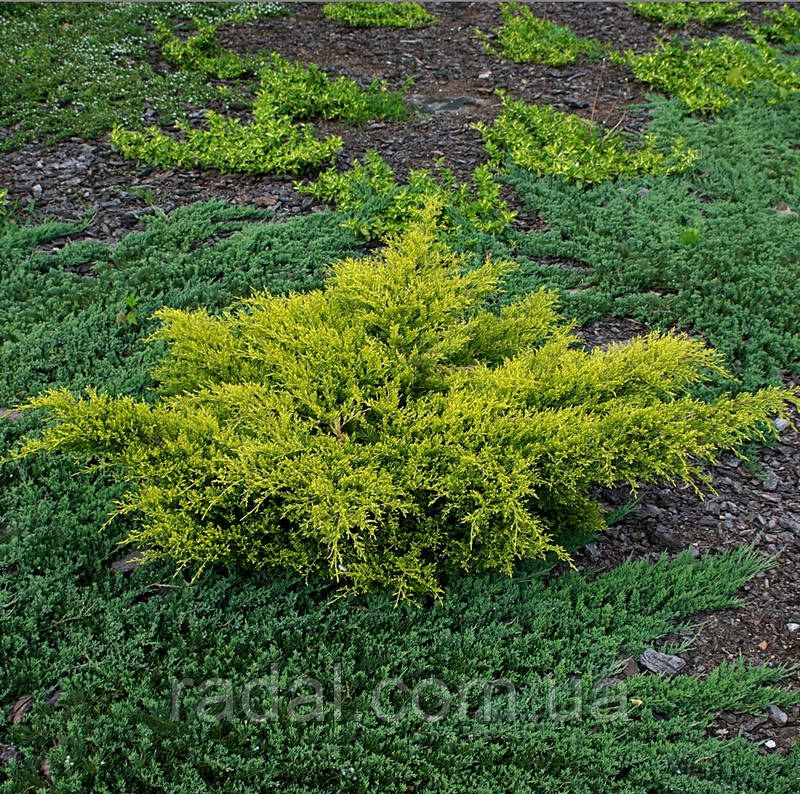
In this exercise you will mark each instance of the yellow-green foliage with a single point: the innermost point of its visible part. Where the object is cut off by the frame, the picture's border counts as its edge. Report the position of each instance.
(678, 14)
(201, 52)
(547, 141)
(379, 14)
(379, 205)
(526, 38)
(389, 428)
(303, 92)
(272, 142)
(710, 74)
(784, 28)
(262, 147)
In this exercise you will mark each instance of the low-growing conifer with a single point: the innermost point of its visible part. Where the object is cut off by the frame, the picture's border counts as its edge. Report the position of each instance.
(390, 428)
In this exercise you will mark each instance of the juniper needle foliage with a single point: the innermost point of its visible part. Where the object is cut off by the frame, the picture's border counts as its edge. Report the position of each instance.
(378, 204)
(389, 429)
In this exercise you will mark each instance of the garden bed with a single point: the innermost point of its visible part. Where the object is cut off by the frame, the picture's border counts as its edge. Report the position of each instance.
(753, 503)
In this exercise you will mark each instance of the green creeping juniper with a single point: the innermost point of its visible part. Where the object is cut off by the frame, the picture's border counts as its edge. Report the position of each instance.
(389, 428)
(377, 204)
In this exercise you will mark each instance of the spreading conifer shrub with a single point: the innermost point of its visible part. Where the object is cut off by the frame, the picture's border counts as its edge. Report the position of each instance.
(379, 205)
(390, 428)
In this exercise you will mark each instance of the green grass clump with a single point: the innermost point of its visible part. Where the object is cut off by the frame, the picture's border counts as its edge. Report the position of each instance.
(678, 15)
(390, 429)
(525, 38)
(705, 250)
(377, 204)
(547, 141)
(709, 75)
(379, 14)
(272, 142)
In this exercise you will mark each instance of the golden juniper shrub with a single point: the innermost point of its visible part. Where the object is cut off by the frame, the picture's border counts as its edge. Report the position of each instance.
(390, 428)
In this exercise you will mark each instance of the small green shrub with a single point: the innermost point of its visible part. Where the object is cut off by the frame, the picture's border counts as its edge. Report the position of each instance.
(678, 15)
(268, 146)
(784, 30)
(379, 14)
(296, 91)
(526, 38)
(389, 428)
(547, 141)
(271, 143)
(709, 75)
(379, 205)
(202, 52)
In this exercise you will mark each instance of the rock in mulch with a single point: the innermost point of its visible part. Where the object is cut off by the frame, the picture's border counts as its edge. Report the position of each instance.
(661, 663)
(8, 753)
(778, 716)
(129, 562)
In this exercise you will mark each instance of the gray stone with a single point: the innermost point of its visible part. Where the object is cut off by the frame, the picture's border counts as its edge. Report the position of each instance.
(667, 539)
(129, 562)
(661, 663)
(780, 424)
(592, 550)
(778, 716)
(631, 668)
(771, 481)
(8, 753)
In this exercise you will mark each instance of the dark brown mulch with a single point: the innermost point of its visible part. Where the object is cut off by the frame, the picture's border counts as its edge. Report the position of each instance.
(454, 87)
